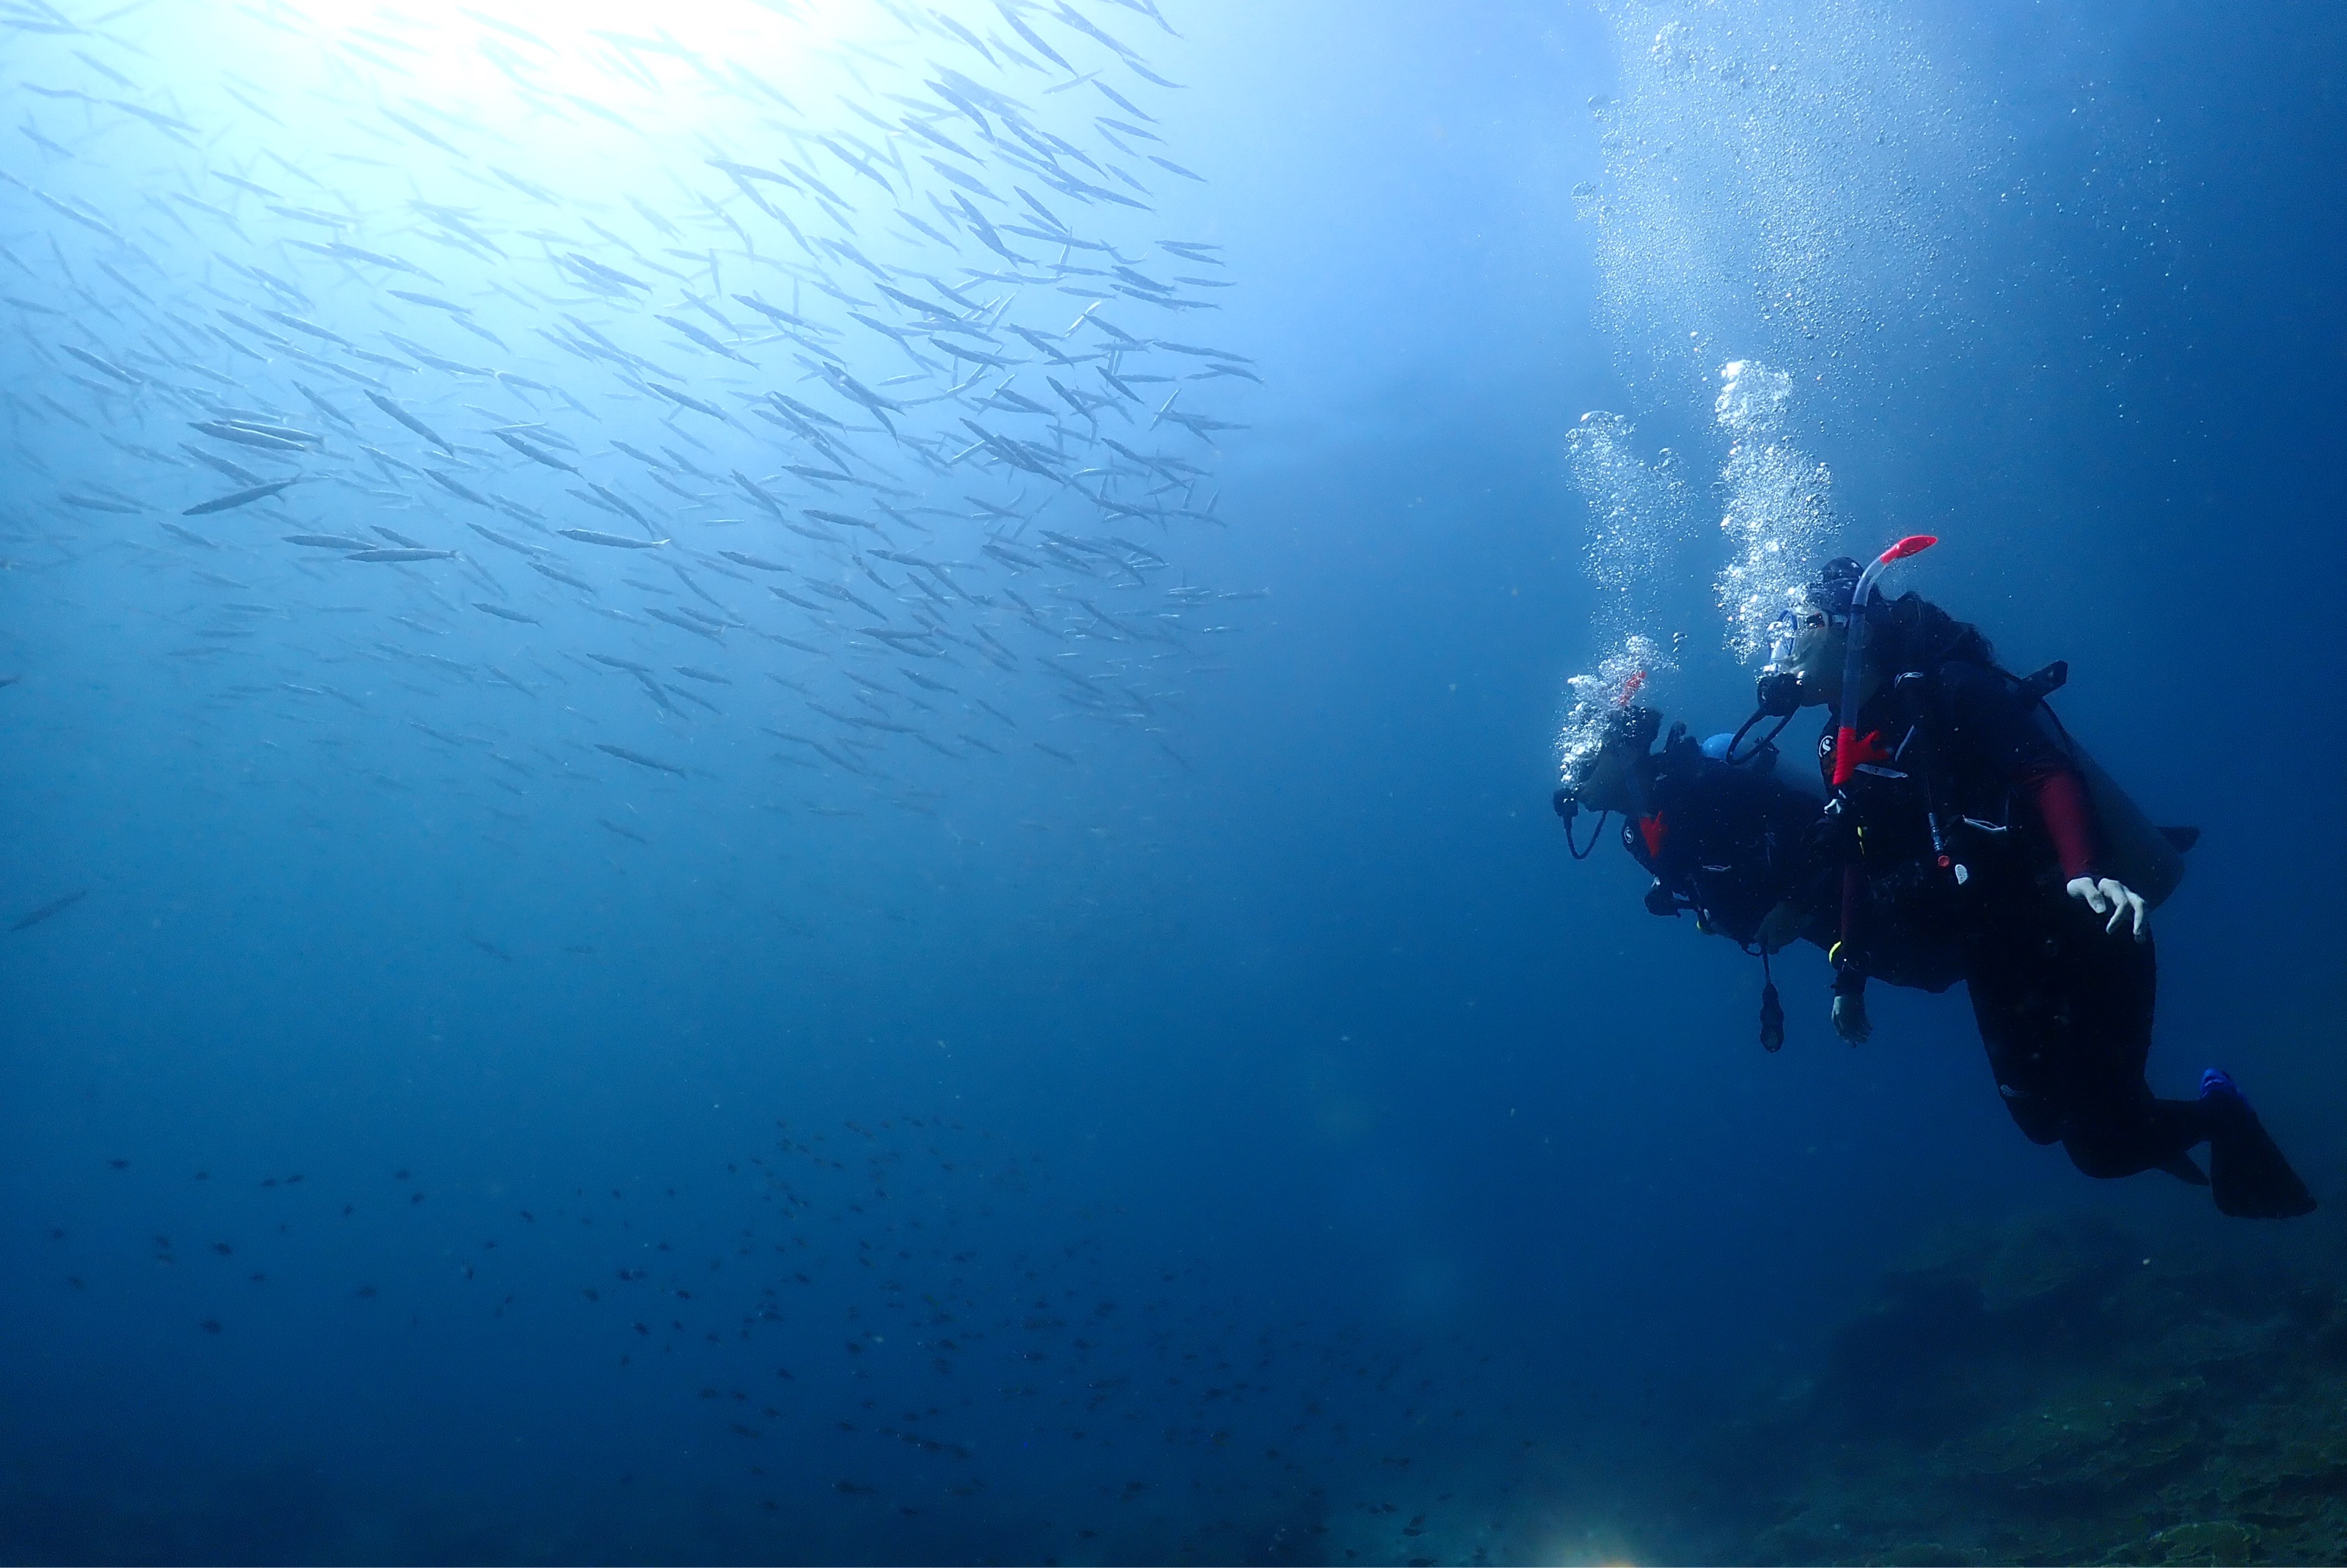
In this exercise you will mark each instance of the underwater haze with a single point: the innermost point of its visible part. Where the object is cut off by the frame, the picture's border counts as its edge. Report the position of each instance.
(780, 775)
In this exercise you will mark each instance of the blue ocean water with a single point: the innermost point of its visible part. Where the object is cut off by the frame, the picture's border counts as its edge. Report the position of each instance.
(983, 970)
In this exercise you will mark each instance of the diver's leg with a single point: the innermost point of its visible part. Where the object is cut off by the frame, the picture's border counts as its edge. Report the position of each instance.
(2115, 1126)
(2111, 1139)
(2066, 1021)
(2012, 1005)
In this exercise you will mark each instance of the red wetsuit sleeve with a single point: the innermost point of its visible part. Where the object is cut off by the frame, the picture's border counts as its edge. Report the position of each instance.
(2062, 801)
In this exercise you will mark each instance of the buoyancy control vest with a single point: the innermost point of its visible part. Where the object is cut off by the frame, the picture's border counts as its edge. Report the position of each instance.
(1725, 841)
(1945, 748)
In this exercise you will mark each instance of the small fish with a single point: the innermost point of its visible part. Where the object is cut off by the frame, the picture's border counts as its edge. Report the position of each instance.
(700, 336)
(396, 412)
(502, 613)
(680, 400)
(396, 555)
(534, 454)
(219, 430)
(563, 578)
(679, 622)
(435, 302)
(238, 498)
(49, 910)
(311, 328)
(641, 760)
(496, 537)
(618, 504)
(325, 541)
(615, 541)
(453, 488)
(104, 366)
(841, 518)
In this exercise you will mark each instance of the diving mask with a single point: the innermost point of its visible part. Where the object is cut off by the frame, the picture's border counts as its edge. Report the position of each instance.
(1801, 645)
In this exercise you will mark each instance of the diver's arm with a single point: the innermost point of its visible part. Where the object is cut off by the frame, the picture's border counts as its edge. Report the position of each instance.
(2040, 767)
(2061, 797)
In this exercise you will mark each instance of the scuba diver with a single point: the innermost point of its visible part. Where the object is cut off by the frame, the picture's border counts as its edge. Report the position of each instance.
(1962, 835)
(1732, 839)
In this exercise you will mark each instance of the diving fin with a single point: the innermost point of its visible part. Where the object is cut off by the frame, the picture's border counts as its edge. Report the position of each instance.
(2036, 688)
(2182, 1168)
(2248, 1176)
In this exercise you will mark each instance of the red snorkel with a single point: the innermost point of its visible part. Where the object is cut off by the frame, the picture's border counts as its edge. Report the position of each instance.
(1853, 664)
(1846, 746)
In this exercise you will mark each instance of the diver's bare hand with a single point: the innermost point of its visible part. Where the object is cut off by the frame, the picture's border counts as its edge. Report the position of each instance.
(2110, 896)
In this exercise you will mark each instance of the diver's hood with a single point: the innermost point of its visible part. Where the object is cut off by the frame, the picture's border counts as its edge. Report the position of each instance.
(1837, 585)
(1803, 636)
(1616, 734)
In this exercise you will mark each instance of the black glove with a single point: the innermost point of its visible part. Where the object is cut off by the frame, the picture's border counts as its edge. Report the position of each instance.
(1833, 837)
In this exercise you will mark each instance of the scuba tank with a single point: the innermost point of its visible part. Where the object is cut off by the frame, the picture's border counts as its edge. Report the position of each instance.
(2147, 859)
(1763, 760)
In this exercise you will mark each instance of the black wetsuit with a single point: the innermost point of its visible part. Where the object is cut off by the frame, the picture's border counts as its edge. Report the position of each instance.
(2064, 1008)
(1727, 843)
(1732, 842)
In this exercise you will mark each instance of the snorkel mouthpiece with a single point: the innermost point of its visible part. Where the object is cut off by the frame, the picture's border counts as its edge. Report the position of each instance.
(1853, 667)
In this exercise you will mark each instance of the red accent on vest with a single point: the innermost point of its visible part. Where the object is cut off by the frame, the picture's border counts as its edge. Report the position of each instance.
(1655, 831)
(1869, 749)
(1861, 749)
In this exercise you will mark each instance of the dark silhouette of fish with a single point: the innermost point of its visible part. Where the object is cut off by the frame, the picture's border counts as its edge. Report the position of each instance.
(641, 760)
(55, 907)
(244, 498)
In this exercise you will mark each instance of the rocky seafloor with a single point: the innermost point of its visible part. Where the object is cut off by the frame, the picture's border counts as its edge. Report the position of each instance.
(2063, 1389)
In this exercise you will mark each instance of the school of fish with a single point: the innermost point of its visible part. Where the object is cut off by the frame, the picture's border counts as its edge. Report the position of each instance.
(854, 401)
